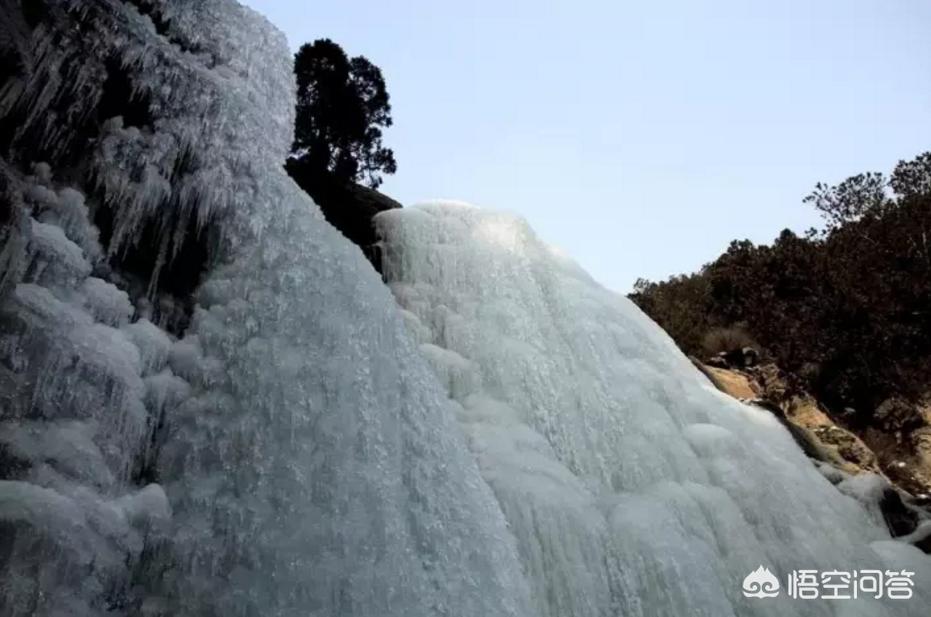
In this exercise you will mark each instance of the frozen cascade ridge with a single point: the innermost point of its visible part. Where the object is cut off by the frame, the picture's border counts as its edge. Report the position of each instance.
(266, 432)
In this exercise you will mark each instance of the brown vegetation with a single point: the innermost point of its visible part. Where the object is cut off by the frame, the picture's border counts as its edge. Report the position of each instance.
(845, 310)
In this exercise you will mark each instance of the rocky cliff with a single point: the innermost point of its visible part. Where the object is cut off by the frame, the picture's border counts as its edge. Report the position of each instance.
(895, 456)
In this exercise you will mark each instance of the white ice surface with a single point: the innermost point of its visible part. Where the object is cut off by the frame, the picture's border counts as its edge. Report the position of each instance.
(631, 485)
(311, 462)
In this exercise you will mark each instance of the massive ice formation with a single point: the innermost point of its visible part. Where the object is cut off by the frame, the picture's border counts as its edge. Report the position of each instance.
(631, 485)
(309, 462)
(212, 406)
(73, 416)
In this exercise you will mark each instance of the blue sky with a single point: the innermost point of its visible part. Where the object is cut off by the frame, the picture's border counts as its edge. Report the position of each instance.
(640, 137)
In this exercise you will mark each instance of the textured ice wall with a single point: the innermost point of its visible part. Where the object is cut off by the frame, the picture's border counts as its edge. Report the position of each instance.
(308, 453)
(632, 486)
(76, 406)
(310, 457)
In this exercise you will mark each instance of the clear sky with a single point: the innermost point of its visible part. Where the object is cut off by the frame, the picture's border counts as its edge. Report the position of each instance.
(640, 137)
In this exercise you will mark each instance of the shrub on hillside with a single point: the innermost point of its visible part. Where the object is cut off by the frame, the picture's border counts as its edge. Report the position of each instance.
(852, 299)
(727, 340)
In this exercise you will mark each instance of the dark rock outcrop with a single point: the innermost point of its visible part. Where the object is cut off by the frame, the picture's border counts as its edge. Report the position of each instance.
(900, 518)
(347, 206)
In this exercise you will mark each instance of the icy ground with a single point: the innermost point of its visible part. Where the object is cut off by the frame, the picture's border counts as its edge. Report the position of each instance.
(517, 441)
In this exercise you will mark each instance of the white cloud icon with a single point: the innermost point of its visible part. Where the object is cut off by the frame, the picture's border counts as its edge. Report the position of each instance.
(761, 583)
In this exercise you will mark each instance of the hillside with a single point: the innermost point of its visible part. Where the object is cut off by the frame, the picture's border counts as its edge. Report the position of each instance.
(841, 311)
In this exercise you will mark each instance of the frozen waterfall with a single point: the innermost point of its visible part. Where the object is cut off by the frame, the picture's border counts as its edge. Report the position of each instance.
(278, 437)
(631, 485)
(310, 464)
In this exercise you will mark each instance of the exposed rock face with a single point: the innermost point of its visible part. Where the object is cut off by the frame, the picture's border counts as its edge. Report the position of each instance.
(921, 443)
(897, 449)
(855, 454)
(347, 206)
(819, 436)
(896, 415)
(736, 384)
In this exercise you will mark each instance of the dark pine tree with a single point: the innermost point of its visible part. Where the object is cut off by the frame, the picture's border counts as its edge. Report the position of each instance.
(342, 106)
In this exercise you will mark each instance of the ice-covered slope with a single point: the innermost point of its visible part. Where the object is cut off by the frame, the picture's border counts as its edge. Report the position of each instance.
(307, 454)
(631, 485)
(286, 449)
